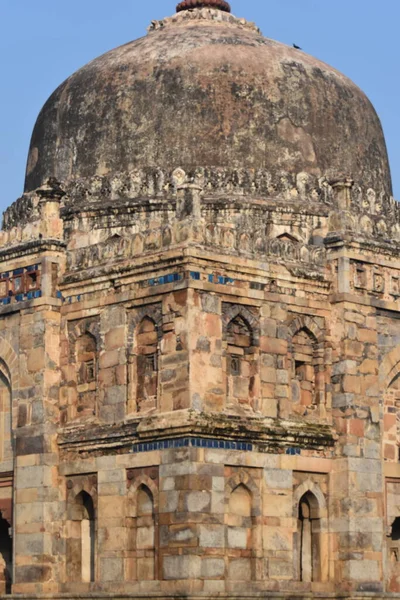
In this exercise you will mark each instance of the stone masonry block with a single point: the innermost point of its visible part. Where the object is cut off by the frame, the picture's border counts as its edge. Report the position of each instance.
(181, 567)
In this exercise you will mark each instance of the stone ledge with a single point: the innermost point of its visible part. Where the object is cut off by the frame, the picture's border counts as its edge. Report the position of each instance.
(265, 434)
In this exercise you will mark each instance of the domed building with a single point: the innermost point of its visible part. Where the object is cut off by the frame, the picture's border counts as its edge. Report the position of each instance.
(200, 334)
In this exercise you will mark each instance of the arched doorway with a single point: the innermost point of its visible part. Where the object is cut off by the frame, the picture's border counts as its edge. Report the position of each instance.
(309, 542)
(81, 542)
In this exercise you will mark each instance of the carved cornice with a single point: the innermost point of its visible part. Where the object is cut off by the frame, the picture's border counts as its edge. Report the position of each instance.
(266, 435)
(374, 214)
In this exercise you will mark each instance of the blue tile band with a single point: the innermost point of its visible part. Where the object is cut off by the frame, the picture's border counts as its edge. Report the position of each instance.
(192, 443)
(163, 280)
(293, 451)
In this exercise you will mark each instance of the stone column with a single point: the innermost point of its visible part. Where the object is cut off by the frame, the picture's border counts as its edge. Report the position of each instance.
(38, 505)
(356, 482)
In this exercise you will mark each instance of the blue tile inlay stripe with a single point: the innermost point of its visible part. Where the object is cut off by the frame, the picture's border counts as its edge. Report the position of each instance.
(293, 451)
(192, 442)
(164, 279)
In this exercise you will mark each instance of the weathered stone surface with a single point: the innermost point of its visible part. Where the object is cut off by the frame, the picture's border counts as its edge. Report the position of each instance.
(199, 364)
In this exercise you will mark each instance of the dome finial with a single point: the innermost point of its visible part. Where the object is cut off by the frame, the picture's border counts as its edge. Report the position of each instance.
(217, 4)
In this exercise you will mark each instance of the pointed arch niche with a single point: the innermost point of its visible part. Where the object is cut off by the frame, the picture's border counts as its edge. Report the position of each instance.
(241, 347)
(242, 526)
(311, 534)
(143, 360)
(309, 367)
(81, 547)
(142, 526)
(81, 369)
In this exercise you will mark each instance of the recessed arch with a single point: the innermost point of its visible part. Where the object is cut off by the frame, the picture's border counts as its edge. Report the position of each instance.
(233, 311)
(389, 368)
(143, 359)
(318, 500)
(308, 324)
(141, 481)
(243, 533)
(84, 549)
(308, 360)
(241, 357)
(142, 529)
(9, 366)
(152, 312)
(240, 501)
(243, 478)
(311, 535)
(77, 329)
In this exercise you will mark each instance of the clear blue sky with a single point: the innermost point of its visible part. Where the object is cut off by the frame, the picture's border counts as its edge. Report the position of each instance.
(43, 41)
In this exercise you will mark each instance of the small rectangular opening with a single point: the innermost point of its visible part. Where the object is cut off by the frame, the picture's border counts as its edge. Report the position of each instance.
(299, 369)
(234, 365)
(90, 371)
(150, 363)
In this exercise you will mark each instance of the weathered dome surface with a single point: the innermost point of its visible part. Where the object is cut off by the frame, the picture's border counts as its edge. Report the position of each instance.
(204, 89)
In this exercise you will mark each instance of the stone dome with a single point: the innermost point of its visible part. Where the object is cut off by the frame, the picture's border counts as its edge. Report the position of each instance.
(206, 89)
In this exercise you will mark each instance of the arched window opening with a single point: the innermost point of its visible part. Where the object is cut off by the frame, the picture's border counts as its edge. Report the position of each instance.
(5, 556)
(239, 534)
(309, 542)
(241, 363)
(307, 385)
(142, 538)
(147, 365)
(88, 535)
(86, 362)
(81, 543)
